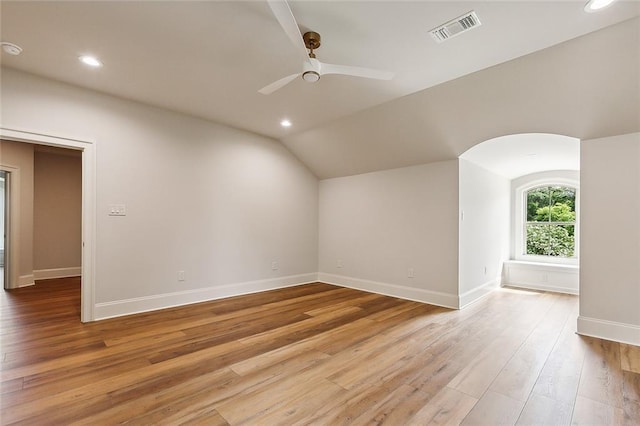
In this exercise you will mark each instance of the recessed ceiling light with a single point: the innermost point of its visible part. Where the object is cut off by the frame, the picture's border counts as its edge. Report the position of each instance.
(596, 5)
(92, 61)
(10, 48)
(285, 123)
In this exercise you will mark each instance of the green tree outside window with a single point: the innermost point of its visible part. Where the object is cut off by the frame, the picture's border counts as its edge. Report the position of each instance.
(551, 219)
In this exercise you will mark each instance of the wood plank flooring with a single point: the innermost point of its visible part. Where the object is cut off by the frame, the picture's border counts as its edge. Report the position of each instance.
(313, 354)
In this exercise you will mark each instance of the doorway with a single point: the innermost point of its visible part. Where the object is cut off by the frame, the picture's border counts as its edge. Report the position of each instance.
(48, 206)
(88, 207)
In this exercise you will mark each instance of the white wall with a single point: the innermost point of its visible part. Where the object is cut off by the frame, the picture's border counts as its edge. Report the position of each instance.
(218, 203)
(381, 224)
(484, 230)
(610, 244)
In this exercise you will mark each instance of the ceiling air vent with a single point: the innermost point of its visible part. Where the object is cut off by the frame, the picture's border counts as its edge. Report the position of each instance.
(455, 26)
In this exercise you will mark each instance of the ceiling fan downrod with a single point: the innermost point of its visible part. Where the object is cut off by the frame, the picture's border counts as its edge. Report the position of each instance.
(312, 42)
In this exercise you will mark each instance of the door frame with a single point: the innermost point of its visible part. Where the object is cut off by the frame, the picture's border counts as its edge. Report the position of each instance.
(87, 299)
(11, 225)
(5, 176)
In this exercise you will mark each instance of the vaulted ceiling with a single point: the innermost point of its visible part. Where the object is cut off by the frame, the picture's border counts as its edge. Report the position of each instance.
(536, 66)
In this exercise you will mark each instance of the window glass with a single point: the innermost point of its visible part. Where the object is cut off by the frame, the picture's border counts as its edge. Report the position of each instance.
(550, 221)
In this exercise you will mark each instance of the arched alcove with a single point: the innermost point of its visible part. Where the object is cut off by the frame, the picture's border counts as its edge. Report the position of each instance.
(513, 156)
(490, 176)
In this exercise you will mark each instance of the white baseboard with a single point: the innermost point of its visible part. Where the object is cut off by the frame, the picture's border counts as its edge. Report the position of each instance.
(478, 293)
(168, 300)
(416, 294)
(48, 274)
(25, 280)
(543, 287)
(609, 330)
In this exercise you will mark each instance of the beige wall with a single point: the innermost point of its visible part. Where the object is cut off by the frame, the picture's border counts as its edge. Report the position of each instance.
(376, 227)
(20, 156)
(57, 216)
(218, 203)
(610, 238)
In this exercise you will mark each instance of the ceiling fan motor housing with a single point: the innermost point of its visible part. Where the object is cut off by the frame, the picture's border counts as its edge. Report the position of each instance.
(311, 71)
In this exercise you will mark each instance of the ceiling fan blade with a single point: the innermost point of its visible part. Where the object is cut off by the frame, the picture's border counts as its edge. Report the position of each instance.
(355, 71)
(283, 14)
(269, 89)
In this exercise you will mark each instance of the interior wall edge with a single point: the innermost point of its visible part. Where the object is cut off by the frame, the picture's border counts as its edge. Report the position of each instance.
(478, 293)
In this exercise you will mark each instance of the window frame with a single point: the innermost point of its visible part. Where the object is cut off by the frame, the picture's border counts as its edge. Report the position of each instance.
(521, 222)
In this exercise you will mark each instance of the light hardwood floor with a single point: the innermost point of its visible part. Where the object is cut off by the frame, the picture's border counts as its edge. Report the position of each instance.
(313, 354)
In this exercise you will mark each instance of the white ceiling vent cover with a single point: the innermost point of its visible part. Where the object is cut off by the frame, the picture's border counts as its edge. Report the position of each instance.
(455, 26)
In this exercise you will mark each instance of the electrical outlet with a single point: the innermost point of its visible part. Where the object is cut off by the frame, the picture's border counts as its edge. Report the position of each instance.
(339, 265)
(274, 266)
(410, 273)
(117, 210)
(181, 276)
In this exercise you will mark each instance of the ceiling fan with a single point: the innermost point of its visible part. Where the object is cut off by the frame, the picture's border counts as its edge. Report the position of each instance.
(312, 69)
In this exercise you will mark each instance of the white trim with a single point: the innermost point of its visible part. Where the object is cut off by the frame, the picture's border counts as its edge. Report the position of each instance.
(88, 149)
(49, 274)
(25, 281)
(409, 293)
(609, 330)
(138, 305)
(550, 267)
(12, 223)
(478, 293)
(542, 287)
(519, 223)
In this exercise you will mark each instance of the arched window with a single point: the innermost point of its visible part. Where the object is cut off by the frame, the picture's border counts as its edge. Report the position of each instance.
(547, 222)
(550, 221)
